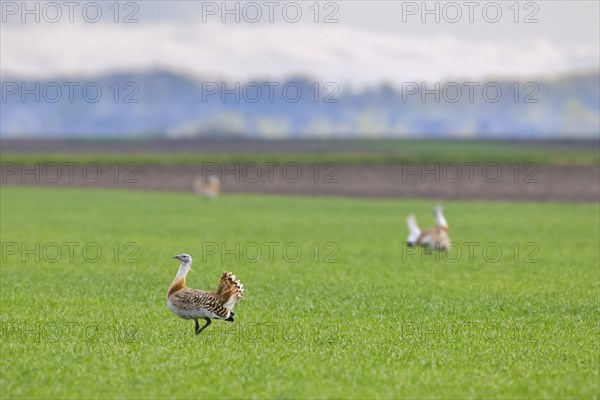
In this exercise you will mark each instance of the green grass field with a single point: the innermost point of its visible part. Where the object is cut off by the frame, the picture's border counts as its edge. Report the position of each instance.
(346, 152)
(380, 322)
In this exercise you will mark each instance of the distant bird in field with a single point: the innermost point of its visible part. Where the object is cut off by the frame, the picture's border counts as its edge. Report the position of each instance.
(433, 238)
(194, 304)
(208, 187)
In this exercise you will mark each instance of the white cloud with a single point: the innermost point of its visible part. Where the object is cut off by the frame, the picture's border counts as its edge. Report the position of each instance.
(343, 54)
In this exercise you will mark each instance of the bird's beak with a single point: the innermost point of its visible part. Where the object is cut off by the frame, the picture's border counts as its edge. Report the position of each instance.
(175, 257)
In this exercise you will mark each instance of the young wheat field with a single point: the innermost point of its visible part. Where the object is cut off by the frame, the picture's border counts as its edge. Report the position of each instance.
(336, 305)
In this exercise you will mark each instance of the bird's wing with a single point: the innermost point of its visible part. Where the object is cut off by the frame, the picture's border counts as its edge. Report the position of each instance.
(193, 299)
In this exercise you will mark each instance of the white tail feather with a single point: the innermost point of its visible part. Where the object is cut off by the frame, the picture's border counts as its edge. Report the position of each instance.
(415, 232)
(439, 218)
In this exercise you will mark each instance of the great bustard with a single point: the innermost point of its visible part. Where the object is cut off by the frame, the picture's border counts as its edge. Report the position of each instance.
(436, 238)
(194, 304)
(208, 187)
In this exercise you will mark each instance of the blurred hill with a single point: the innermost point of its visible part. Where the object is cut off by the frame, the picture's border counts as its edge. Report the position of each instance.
(166, 104)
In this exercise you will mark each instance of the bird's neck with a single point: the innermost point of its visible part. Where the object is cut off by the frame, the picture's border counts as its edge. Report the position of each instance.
(179, 281)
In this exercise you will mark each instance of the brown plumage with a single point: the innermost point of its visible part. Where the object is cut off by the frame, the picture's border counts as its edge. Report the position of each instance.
(433, 238)
(229, 289)
(193, 304)
(208, 187)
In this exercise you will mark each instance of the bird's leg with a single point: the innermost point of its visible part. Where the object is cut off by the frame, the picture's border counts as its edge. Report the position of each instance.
(201, 329)
(197, 326)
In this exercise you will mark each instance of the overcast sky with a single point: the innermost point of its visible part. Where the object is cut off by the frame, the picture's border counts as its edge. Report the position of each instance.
(371, 42)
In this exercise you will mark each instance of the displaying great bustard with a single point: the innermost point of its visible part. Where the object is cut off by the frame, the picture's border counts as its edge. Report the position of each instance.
(197, 304)
(208, 187)
(433, 238)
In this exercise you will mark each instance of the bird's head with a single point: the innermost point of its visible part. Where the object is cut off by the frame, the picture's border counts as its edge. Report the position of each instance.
(184, 258)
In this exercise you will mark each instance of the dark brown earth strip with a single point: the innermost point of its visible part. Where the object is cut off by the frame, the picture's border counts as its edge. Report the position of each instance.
(444, 181)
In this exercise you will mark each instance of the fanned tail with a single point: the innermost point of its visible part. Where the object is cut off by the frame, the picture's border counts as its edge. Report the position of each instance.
(230, 290)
